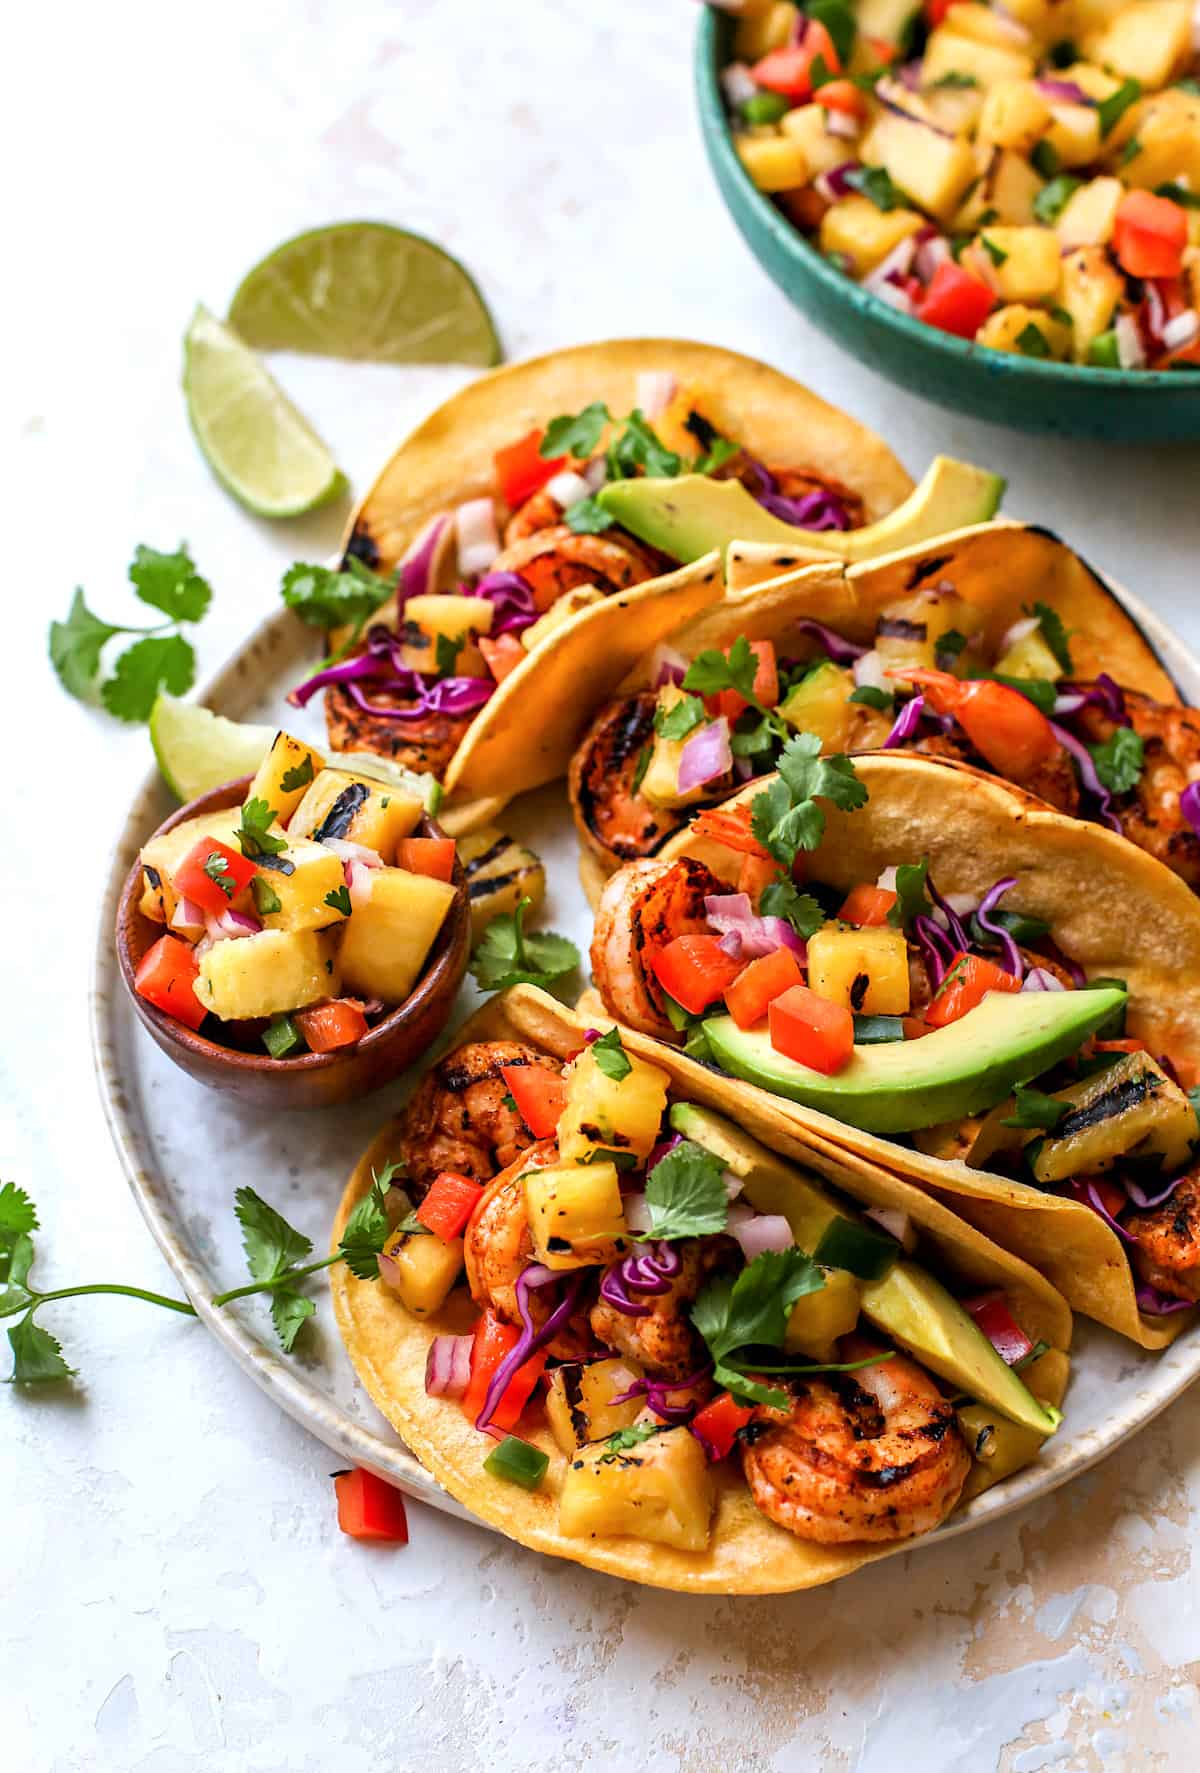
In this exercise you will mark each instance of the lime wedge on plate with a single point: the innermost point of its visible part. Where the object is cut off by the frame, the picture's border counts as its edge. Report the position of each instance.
(254, 440)
(369, 291)
(198, 750)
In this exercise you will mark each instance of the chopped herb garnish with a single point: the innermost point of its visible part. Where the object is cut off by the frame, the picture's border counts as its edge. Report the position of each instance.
(216, 866)
(587, 517)
(266, 899)
(508, 955)
(642, 765)
(327, 599)
(875, 183)
(575, 434)
(996, 253)
(1178, 194)
(1113, 108)
(680, 719)
(446, 651)
(1054, 633)
(625, 1439)
(1120, 759)
(953, 80)
(782, 898)
(1035, 1109)
(254, 834)
(1031, 341)
(299, 777)
(911, 898)
(1045, 159)
(611, 1057)
(873, 697)
(1131, 150)
(785, 817)
(686, 1194)
(339, 900)
(1053, 198)
(752, 1310)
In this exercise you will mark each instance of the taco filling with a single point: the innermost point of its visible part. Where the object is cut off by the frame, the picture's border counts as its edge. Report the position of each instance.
(949, 1024)
(486, 582)
(684, 1311)
(929, 683)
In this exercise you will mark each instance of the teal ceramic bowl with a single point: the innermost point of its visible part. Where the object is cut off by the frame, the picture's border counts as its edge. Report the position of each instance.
(1140, 406)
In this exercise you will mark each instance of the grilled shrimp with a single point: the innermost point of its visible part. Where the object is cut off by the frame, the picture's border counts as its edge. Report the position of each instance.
(644, 907)
(873, 1455)
(554, 561)
(458, 1119)
(541, 511)
(498, 1247)
(616, 823)
(1166, 1250)
(1149, 813)
(426, 743)
(663, 1343)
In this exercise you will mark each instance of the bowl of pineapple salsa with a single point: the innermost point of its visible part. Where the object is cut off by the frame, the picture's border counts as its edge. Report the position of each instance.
(297, 937)
(995, 205)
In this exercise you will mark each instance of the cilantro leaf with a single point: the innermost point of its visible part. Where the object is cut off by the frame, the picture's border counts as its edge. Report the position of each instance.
(785, 817)
(1054, 633)
(1053, 198)
(749, 1389)
(639, 446)
(216, 866)
(299, 777)
(911, 897)
(874, 697)
(446, 653)
(685, 1194)
(611, 1057)
(328, 599)
(711, 671)
(1035, 1109)
(506, 955)
(270, 1243)
(952, 81)
(1031, 341)
(37, 1355)
(1110, 110)
(875, 182)
(160, 661)
(587, 517)
(254, 834)
(679, 720)
(170, 582)
(623, 1439)
(996, 253)
(780, 898)
(1119, 759)
(640, 768)
(339, 900)
(575, 434)
(17, 1212)
(720, 451)
(76, 645)
(1038, 690)
(753, 1309)
(290, 1311)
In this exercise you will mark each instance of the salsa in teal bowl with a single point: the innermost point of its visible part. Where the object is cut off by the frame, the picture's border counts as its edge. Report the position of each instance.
(1032, 394)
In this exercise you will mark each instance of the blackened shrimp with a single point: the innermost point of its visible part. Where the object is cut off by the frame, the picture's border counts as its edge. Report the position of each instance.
(643, 908)
(427, 742)
(662, 1342)
(616, 822)
(460, 1118)
(556, 560)
(1149, 812)
(1166, 1248)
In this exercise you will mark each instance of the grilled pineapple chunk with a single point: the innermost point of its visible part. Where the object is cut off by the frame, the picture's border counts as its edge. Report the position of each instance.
(774, 162)
(1088, 215)
(911, 629)
(158, 899)
(500, 873)
(660, 784)
(290, 758)
(818, 1319)
(1008, 330)
(427, 1267)
(387, 939)
(301, 898)
(165, 852)
(455, 621)
(1009, 186)
(1164, 129)
(806, 125)
(1131, 1112)
(934, 169)
(1149, 42)
(609, 1113)
(1025, 262)
(338, 804)
(268, 974)
(660, 1490)
(1074, 134)
(863, 234)
(761, 29)
(1091, 290)
(579, 1402)
(999, 1447)
(864, 969)
(820, 703)
(575, 1215)
(1029, 657)
(1014, 115)
(950, 51)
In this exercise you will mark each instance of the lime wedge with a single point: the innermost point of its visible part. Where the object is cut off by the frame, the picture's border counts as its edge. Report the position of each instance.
(365, 290)
(256, 443)
(198, 750)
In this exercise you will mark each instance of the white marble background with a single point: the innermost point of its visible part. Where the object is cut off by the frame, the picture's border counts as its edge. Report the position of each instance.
(176, 1594)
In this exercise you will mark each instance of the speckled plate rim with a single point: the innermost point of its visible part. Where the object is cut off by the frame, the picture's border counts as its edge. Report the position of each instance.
(715, 125)
(288, 1385)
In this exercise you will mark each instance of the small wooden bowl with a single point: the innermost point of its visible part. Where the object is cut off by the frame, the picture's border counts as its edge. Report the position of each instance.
(311, 1080)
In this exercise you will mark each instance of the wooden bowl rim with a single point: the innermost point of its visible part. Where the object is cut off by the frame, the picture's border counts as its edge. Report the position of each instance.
(213, 1052)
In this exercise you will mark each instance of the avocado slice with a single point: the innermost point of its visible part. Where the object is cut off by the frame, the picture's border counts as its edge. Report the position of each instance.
(962, 1069)
(693, 514)
(768, 1183)
(917, 1312)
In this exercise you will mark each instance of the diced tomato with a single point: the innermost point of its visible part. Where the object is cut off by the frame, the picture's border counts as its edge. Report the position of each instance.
(766, 683)
(212, 875)
(502, 655)
(867, 906)
(843, 96)
(811, 1030)
(540, 1096)
(729, 826)
(955, 301)
(493, 1340)
(449, 1204)
(1111, 1195)
(755, 873)
(521, 470)
(967, 983)
(166, 977)
(1129, 1045)
(759, 984)
(716, 1425)
(1001, 723)
(328, 1026)
(368, 1508)
(695, 971)
(788, 70)
(433, 856)
(991, 1314)
(882, 50)
(935, 12)
(1149, 235)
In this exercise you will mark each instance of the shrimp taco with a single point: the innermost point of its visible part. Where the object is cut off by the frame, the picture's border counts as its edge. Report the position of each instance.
(518, 601)
(997, 646)
(913, 962)
(692, 1353)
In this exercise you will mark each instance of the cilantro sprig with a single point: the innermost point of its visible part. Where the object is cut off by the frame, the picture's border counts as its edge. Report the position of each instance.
(686, 1194)
(254, 834)
(161, 659)
(785, 817)
(1120, 759)
(611, 1057)
(751, 1311)
(1033, 1108)
(509, 955)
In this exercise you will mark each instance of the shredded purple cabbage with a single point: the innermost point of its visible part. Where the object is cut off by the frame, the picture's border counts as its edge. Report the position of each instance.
(954, 923)
(937, 950)
(657, 1391)
(511, 600)
(530, 1339)
(1140, 1198)
(819, 509)
(840, 650)
(650, 1269)
(906, 724)
(1098, 1206)
(1155, 1303)
(381, 663)
(1087, 775)
(414, 570)
(661, 1149)
(1189, 805)
(1012, 954)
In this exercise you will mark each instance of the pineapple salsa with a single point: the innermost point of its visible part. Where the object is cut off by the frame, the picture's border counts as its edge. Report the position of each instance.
(1026, 175)
(298, 918)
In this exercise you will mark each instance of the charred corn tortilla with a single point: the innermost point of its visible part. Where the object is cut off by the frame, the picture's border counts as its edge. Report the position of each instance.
(524, 735)
(747, 1554)
(1112, 909)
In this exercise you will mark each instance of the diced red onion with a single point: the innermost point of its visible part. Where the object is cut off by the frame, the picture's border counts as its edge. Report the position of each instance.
(733, 1184)
(660, 1151)
(476, 536)
(637, 1212)
(567, 488)
(931, 254)
(448, 1364)
(758, 1232)
(416, 565)
(667, 666)
(869, 673)
(705, 757)
(596, 473)
(389, 1272)
(887, 879)
(360, 883)
(353, 852)
(738, 84)
(1153, 314)
(187, 915)
(1012, 961)
(1181, 330)
(654, 389)
(1088, 776)
(896, 1223)
(1130, 351)
(230, 926)
(895, 262)
(909, 76)
(840, 650)
(745, 936)
(1189, 806)
(842, 126)
(906, 724)
(1066, 92)
(530, 1339)
(834, 185)
(1019, 631)
(1042, 979)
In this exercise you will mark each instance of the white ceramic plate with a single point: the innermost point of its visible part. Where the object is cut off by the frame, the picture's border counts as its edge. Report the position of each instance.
(186, 1149)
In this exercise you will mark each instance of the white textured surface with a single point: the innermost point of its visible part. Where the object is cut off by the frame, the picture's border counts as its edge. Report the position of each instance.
(178, 1596)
